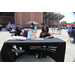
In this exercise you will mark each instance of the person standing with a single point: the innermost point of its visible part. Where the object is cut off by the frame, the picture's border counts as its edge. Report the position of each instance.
(30, 26)
(17, 31)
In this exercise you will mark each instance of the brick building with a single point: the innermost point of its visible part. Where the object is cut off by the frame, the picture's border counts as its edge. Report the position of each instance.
(23, 17)
(49, 18)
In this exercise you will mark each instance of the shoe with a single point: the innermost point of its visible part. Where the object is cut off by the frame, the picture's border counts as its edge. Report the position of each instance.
(37, 56)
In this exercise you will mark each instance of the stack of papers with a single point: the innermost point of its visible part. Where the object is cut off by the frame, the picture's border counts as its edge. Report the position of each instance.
(17, 38)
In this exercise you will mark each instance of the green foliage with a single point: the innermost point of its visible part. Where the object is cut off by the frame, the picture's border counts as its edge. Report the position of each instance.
(74, 22)
(26, 27)
(63, 22)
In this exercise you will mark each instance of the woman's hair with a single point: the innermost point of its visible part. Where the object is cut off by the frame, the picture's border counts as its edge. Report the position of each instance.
(46, 27)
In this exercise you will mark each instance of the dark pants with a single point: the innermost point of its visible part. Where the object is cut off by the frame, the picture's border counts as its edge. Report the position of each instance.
(17, 33)
(0, 28)
(74, 40)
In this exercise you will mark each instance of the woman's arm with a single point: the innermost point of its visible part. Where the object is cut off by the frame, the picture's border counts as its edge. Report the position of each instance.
(50, 36)
(40, 35)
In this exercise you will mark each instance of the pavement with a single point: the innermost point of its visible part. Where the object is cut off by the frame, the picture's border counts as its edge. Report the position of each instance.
(70, 47)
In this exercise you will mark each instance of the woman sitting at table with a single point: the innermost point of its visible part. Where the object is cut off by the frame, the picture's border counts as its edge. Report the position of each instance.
(45, 32)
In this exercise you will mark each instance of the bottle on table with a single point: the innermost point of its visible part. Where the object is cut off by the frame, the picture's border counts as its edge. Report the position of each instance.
(29, 34)
(32, 35)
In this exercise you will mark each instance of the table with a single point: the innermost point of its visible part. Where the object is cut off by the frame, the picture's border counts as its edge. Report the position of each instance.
(56, 30)
(53, 47)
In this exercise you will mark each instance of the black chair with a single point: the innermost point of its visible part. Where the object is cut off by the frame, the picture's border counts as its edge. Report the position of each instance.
(25, 33)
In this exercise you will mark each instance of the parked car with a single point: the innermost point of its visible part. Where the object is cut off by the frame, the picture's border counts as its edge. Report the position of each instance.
(9, 27)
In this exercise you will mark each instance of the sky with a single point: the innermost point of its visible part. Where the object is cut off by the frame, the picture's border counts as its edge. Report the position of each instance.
(69, 17)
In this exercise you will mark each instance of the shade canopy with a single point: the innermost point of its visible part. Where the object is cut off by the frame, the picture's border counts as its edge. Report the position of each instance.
(30, 22)
(52, 15)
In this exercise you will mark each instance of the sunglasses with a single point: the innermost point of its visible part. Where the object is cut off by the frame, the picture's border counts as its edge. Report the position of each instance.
(45, 28)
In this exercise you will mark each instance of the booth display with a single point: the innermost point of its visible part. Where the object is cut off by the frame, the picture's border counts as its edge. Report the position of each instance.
(17, 46)
(53, 47)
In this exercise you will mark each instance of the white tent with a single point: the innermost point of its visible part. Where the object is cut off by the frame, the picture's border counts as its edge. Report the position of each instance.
(32, 22)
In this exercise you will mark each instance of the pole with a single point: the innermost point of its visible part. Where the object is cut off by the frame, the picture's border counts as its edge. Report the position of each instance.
(49, 19)
(58, 19)
(52, 19)
(46, 18)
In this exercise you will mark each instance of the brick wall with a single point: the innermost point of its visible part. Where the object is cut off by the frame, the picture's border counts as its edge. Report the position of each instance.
(38, 17)
(23, 17)
(4, 20)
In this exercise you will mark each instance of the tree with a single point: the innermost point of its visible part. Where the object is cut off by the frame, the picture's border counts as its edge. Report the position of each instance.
(74, 22)
(63, 22)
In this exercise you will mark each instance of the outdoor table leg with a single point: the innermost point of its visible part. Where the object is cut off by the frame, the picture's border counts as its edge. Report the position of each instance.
(57, 31)
(52, 31)
(60, 31)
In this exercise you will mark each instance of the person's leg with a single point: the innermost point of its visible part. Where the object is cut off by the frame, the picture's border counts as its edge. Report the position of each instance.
(74, 40)
(0, 28)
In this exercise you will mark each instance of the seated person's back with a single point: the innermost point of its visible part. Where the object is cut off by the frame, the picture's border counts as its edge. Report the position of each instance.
(18, 31)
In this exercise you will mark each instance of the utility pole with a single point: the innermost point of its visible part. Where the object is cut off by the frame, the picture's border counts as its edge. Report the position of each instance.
(52, 19)
(46, 18)
(49, 19)
(58, 19)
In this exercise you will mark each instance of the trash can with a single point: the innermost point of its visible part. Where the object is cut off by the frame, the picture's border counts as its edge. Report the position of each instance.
(0, 27)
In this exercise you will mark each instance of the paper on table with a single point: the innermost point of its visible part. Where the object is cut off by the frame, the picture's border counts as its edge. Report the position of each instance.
(17, 38)
(38, 38)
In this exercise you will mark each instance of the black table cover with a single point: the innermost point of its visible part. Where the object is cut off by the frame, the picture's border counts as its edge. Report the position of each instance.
(53, 47)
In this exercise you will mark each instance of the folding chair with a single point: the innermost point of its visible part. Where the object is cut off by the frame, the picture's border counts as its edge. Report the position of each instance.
(70, 39)
(71, 35)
